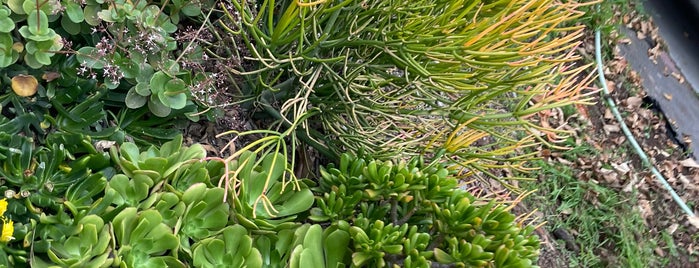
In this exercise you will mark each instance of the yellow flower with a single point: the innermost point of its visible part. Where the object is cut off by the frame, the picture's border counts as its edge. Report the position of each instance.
(3, 206)
(8, 229)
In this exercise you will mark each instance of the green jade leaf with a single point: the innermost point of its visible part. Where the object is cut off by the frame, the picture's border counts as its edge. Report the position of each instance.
(38, 23)
(6, 23)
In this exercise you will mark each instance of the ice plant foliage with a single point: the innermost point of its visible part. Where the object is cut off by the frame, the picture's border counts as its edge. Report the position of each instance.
(464, 77)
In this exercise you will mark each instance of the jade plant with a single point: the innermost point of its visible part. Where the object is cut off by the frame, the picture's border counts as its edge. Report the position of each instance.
(9, 50)
(412, 214)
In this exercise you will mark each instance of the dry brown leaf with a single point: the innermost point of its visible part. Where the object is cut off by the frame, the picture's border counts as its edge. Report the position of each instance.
(564, 161)
(622, 168)
(687, 139)
(645, 26)
(24, 85)
(673, 122)
(50, 76)
(659, 252)
(608, 114)
(619, 140)
(104, 145)
(634, 102)
(210, 149)
(618, 65)
(632, 184)
(611, 86)
(640, 35)
(694, 221)
(665, 154)
(654, 52)
(689, 163)
(611, 128)
(634, 77)
(673, 228)
(687, 183)
(678, 76)
(667, 96)
(609, 176)
(645, 208)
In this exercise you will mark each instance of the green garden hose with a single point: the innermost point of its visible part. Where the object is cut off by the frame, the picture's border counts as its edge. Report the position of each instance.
(629, 135)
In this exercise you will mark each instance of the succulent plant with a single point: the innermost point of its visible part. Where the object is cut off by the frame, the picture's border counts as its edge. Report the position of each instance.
(196, 172)
(88, 248)
(316, 247)
(205, 214)
(373, 242)
(231, 248)
(49, 190)
(412, 214)
(398, 79)
(264, 199)
(156, 164)
(170, 206)
(143, 240)
(378, 86)
(164, 211)
(305, 246)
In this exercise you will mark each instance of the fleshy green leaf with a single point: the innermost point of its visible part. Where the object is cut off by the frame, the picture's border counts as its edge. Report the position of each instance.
(16, 6)
(74, 11)
(158, 82)
(134, 100)
(89, 57)
(6, 23)
(90, 14)
(157, 107)
(38, 23)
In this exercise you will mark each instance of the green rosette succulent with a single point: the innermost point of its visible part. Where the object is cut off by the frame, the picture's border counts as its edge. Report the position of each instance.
(305, 246)
(157, 164)
(142, 240)
(88, 248)
(232, 248)
(204, 216)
